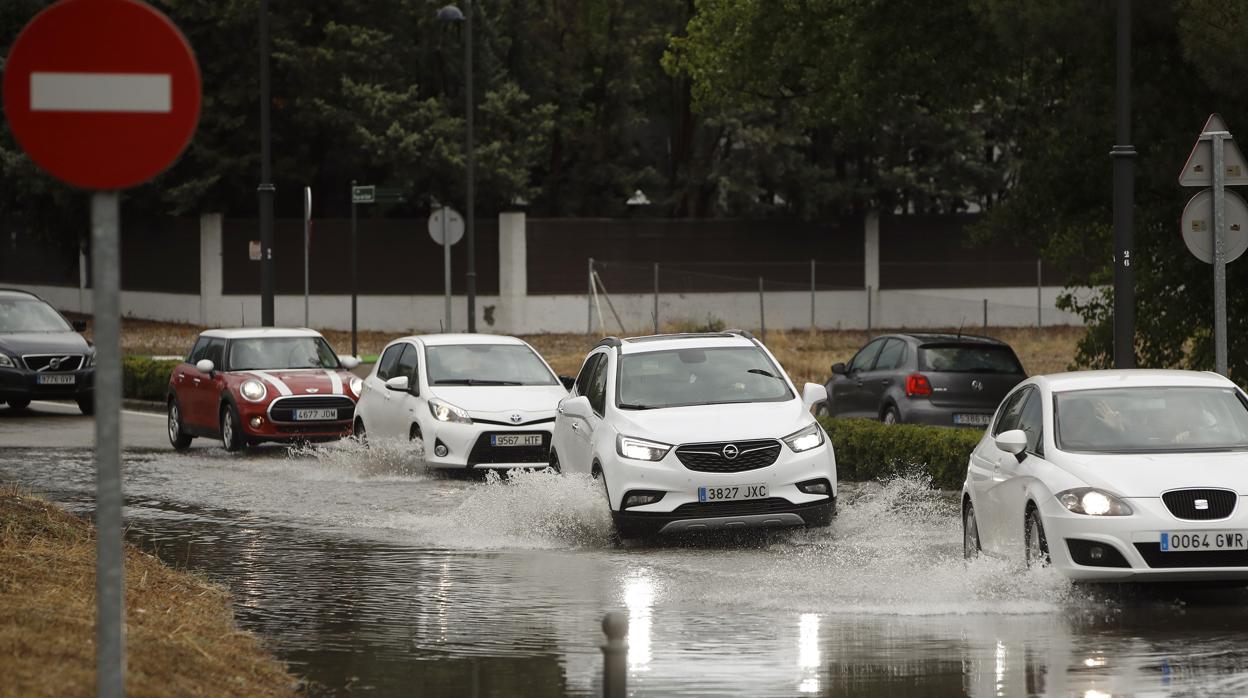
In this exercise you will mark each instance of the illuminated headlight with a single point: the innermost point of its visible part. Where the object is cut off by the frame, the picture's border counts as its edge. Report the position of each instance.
(806, 439)
(6, 361)
(253, 391)
(640, 449)
(1093, 502)
(446, 412)
(356, 386)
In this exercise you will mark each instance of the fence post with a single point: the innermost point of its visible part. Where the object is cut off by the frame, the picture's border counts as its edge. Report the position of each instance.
(762, 315)
(656, 297)
(615, 655)
(589, 299)
(812, 295)
(985, 316)
(1039, 303)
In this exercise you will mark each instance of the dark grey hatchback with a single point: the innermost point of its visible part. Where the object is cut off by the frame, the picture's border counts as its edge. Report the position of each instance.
(942, 379)
(41, 354)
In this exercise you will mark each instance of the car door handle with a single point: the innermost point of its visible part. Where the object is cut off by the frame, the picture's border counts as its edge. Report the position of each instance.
(575, 425)
(886, 381)
(196, 381)
(860, 382)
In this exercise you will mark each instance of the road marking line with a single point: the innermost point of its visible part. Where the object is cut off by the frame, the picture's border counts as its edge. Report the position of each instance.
(102, 92)
(74, 408)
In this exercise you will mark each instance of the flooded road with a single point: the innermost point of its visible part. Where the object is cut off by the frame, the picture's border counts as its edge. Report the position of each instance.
(369, 575)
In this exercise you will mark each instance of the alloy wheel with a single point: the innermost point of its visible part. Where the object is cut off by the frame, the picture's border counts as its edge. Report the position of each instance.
(970, 534)
(175, 427)
(1037, 547)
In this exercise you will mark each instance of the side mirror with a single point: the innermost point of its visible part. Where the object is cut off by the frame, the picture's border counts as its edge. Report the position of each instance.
(577, 407)
(567, 381)
(205, 365)
(813, 394)
(398, 383)
(839, 369)
(1013, 441)
(79, 325)
(349, 362)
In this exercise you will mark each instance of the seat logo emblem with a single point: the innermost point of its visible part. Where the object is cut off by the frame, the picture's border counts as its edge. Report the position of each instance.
(977, 384)
(1202, 504)
(312, 390)
(731, 451)
(516, 419)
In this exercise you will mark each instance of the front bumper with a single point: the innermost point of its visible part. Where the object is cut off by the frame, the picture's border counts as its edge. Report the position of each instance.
(680, 508)
(1136, 540)
(269, 430)
(20, 384)
(468, 445)
(922, 411)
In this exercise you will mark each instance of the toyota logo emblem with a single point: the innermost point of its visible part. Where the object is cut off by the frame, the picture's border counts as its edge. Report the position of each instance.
(731, 451)
(515, 418)
(977, 384)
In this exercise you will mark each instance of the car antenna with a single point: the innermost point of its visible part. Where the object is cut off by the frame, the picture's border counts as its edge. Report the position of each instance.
(961, 324)
(441, 329)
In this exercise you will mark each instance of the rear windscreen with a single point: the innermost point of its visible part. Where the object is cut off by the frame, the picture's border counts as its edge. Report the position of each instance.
(968, 358)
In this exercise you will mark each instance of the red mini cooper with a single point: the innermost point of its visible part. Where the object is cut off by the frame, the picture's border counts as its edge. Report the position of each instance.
(261, 384)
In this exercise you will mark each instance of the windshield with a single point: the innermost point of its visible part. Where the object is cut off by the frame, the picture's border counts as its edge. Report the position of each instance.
(263, 353)
(680, 377)
(30, 315)
(968, 358)
(486, 364)
(1133, 420)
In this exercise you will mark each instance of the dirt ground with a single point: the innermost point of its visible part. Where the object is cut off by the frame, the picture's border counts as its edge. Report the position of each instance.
(181, 639)
(805, 355)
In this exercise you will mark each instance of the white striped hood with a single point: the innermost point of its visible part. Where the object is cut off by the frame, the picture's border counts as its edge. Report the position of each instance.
(304, 381)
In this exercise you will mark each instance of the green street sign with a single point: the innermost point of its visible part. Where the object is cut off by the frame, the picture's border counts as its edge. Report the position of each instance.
(363, 194)
(371, 194)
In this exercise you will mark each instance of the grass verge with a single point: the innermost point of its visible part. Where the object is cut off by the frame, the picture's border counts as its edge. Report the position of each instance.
(181, 639)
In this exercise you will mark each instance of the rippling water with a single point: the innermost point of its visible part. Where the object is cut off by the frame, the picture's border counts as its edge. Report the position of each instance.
(368, 573)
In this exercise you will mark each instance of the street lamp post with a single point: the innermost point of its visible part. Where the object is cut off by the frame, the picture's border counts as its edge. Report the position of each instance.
(1123, 154)
(451, 13)
(266, 187)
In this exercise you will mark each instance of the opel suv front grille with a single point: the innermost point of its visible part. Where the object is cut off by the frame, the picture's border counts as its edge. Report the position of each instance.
(1200, 504)
(729, 456)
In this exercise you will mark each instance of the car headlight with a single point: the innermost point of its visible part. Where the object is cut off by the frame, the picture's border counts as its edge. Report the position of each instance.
(6, 361)
(356, 386)
(640, 449)
(1093, 502)
(253, 390)
(91, 359)
(806, 439)
(446, 412)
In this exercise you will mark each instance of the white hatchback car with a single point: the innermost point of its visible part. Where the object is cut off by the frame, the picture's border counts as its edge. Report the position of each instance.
(475, 400)
(694, 432)
(1115, 475)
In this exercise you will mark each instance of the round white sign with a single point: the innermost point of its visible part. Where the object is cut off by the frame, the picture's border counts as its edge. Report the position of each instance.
(453, 228)
(1198, 226)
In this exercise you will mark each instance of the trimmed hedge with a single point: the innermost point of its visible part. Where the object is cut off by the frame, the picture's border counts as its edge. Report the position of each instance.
(870, 450)
(146, 379)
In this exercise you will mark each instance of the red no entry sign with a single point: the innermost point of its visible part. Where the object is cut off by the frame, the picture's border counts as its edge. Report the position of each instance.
(103, 94)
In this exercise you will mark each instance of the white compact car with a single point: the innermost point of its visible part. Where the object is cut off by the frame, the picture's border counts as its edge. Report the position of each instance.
(696, 431)
(475, 400)
(1115, 475)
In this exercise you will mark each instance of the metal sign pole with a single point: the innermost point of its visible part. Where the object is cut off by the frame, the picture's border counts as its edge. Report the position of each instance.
(307, 242)
(1219, 251)
(446, 267)
(109, 575)
(354, 276)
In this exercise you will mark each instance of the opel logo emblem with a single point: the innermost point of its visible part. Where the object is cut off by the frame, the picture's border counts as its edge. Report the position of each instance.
(515, 418)
(977, 384)
(731, 451)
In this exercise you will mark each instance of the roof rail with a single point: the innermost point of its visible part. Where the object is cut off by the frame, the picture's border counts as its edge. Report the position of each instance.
(744, 333)
(608, 342)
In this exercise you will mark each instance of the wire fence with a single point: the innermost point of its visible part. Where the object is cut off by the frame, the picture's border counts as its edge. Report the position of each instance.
(634, 297)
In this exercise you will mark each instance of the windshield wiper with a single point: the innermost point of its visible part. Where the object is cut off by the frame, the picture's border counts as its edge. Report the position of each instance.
(473, 381)
(762, 372)
(635, 406)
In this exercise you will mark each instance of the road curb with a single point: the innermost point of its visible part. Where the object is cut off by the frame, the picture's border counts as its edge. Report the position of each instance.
(143, 405)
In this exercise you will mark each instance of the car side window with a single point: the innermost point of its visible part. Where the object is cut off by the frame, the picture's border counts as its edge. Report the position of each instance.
(582, 379)
(197, 351)
(866, 356)
(407, 365)
(597, 391)
(389, 360)
(1008, 417)
(891, 355)
(215, 352)
(1031, 421)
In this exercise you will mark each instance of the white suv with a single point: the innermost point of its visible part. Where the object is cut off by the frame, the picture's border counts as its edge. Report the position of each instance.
(694, 432)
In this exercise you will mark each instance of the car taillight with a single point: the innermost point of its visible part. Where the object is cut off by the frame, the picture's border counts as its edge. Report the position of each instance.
(917, 384)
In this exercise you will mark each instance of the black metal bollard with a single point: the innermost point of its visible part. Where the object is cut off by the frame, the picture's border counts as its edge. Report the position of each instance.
(615, 655)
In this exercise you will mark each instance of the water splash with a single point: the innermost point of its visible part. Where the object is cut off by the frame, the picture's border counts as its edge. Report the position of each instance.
(352, 459)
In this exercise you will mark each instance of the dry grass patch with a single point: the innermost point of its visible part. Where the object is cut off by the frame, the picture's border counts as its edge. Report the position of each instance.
(181, 639)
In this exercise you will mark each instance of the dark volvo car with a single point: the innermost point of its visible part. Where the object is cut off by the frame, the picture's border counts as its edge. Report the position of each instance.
(42, 356)
(941, 379)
